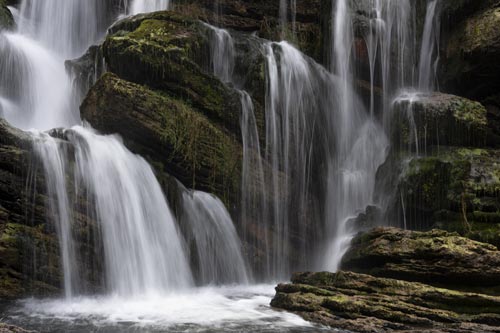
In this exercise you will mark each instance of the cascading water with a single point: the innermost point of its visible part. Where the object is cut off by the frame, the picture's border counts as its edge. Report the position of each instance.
(146, 6)
(218, 249)
(27, 71)
(360, 145)
(429, 51)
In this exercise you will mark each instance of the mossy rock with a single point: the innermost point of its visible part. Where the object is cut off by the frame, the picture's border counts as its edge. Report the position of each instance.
(167, 52)
(363, 303)
(449, 188)
(163, 128)
(423, 120)
(435, 257)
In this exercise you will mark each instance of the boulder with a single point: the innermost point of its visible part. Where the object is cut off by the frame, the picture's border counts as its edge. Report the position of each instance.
(363, 303)
(167, 51)
(422, 120)
(175, 136)
(435, 257)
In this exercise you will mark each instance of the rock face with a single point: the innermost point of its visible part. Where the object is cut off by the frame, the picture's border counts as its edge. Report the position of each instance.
(470, 65)
(310, 32)
(363, 303)
(29, 250)
(434, 257)
(175, 136)
(423, 120)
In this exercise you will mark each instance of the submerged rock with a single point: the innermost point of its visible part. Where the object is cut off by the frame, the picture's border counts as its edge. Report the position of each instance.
(435, 257)
(363, 303)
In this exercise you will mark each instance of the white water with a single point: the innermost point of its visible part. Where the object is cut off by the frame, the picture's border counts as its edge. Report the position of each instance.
(361, 146)
(214, 240)
(142, 245)
(34, 80)
(208, 309)
(429, 51)
(146, 6)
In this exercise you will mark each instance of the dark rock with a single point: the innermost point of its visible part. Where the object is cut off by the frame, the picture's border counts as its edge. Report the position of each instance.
(470, 62)
(435, 257)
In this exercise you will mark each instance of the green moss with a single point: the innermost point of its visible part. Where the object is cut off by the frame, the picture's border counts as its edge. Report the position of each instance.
(6, 19)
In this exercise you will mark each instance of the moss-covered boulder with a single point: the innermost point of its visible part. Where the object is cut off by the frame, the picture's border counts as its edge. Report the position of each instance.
(422, 120)
(168, 52)
(176, 136)
(363, 303)
(6, 19)
(435, 257)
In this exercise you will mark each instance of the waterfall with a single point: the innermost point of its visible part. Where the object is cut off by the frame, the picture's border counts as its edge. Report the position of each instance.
(288, 8)
(360, 145)
(35, 84)
(146, 6)
(67, 27)
(54, 156)
(214, 240)
(142, 246)
(429, 52)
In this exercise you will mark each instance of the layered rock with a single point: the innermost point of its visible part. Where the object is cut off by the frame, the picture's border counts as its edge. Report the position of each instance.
(435, 257)
(363, 303)
(455, 189)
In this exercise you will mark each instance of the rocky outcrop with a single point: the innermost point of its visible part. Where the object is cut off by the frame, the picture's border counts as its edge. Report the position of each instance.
(363, 303)
(435, 257)
(422, 120)
(175, 136)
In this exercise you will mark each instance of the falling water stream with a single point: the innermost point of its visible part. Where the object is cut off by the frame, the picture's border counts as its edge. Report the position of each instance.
(323, 144)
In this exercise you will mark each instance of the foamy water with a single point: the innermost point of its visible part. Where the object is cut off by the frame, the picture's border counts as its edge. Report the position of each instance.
(207, 309)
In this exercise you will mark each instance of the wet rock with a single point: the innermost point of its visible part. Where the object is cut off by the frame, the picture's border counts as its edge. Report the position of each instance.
(435, 257)
(456, 189)
(422, 120)
(7, 328)
(310, 31)
(6, 19)
(176, 136)
(363, 303)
